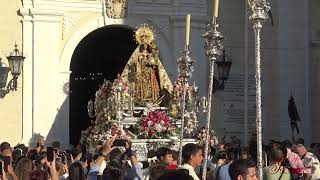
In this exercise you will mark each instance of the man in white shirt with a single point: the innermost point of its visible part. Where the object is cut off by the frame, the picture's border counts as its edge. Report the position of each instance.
(192, 158)
(310, 162)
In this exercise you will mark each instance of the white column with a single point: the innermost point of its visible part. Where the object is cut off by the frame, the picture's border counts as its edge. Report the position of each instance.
(27, 78)
(47, 41)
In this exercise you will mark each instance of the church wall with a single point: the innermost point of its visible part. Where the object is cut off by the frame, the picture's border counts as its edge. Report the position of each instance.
(54, 29)
(283, 47)
(314, 67)
(293, 50)
(232, 26)
(11, 104)
(271, 72)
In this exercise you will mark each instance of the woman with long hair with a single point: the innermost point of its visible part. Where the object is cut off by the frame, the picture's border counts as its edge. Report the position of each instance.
(76, 171)
(24, 169)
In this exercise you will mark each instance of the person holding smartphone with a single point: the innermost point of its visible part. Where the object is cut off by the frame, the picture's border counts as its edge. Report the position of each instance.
(76, 154)
(2, 172)
(9, 173)
(6, 156)
(101, 159)
(40, 144)
(135, 172)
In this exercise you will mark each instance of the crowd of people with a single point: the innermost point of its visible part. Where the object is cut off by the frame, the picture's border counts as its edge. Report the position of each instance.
(226, 161)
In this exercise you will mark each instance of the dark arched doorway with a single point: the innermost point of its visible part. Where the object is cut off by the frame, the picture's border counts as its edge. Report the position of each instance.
(100, 55)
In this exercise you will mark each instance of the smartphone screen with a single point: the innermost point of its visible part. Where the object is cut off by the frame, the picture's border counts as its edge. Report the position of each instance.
(6, 163)
(50, 154)
(68, 154)
(89, 157)
(1, 162)
(68, 151)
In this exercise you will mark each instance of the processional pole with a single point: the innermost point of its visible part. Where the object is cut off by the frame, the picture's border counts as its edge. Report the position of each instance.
(213, 49)
(259, 10)
(185, 70)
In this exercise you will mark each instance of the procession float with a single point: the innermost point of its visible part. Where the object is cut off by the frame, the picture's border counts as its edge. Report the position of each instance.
(143, 105)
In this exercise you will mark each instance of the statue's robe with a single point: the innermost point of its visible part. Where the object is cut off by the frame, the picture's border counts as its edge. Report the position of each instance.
(146, 79)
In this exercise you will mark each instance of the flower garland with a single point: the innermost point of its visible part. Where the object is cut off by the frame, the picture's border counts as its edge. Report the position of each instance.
(102, 128)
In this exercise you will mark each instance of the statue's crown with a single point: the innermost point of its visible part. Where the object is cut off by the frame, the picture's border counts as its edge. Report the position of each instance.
(144, 34)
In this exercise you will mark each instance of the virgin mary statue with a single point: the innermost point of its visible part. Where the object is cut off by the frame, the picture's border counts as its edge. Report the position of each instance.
(144, 73)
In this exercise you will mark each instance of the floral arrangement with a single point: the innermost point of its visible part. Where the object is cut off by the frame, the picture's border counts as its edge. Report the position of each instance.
(201, 137)
(104, 91)
(156, 125)
(119, 85)
(178, 90)
(94, 135)
(109, 89)
(191, 103)
(107, 97)
(99, 133)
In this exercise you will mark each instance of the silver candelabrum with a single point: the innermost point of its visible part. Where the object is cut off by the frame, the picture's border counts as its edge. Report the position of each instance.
(213, 49)
(119, 106)
(259, 10)
(185, 70)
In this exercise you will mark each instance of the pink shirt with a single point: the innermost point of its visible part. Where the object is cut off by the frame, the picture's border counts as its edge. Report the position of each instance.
(294, 159)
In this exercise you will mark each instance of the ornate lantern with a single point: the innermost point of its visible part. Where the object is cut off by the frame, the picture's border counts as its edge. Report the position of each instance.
(15, 60)
(224, 66)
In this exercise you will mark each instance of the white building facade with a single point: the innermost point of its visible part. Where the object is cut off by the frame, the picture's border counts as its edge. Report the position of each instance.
(52, 29)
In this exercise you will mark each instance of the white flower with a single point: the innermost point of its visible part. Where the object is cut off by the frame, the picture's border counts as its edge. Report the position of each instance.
(150, 123)
(158, 127)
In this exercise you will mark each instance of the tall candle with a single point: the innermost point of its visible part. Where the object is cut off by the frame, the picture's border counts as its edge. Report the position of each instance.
(187, 29)
(215, 8)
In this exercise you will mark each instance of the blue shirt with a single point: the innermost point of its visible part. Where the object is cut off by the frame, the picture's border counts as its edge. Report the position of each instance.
(224, 173)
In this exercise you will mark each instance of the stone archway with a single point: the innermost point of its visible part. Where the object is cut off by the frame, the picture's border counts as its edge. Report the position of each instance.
(102, 54)
(75, 39)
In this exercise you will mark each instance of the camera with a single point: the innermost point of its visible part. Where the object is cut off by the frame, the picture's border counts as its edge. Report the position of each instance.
(62, 157)
(68, 154)
(119, 142)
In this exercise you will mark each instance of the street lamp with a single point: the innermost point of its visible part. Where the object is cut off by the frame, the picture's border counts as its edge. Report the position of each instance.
(15, 60)
(224, 66)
